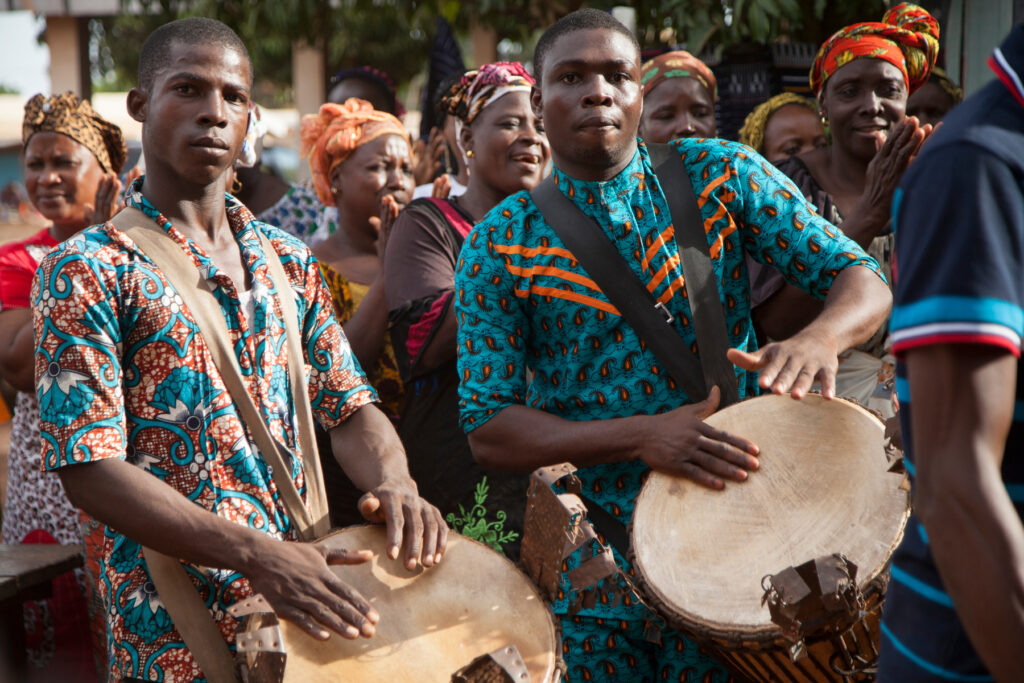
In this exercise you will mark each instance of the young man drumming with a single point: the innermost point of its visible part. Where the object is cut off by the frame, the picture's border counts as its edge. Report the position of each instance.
(136, 418)
(598, 398)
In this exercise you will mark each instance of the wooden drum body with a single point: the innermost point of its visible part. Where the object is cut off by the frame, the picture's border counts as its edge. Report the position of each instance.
(433, 622)
(823, 488)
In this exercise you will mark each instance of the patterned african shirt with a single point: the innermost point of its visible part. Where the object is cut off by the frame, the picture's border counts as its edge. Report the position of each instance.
(122, 372)
(523, 301)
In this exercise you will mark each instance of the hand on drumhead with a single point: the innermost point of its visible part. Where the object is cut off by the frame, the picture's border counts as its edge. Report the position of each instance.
(681, 443)
(792, 365)
(296, 580)
(411, 522)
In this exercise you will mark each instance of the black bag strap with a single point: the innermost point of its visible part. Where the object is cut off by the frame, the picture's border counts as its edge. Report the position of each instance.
(701, 284)
(649, 318)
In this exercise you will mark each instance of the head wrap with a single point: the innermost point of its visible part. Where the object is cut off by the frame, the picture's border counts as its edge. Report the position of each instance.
(954, 91)
(907, 37)
(331, 135)
(70, 115)
(376, 77)
(477, 89)
(677, 64)
(752, 132)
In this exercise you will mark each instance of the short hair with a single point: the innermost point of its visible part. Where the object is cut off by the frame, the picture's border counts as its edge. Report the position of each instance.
(580, 20)
(188, 31)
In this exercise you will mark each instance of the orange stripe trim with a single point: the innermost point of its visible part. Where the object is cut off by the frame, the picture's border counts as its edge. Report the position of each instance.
(553, 272)
(532, 251)
(662, 273)
(569, 296)
(720, 242)
(660, 240)
(672, 288)
(709, 188)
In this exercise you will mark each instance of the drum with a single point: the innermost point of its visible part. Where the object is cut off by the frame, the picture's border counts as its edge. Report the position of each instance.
(433, 622)
(824, 487)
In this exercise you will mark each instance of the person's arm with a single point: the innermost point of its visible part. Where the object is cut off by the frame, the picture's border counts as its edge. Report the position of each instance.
(369, 450)
(295, 578)
(16, 348)
(791, 309)
(963, 401)
(521, 439)
(368, 325)
(857, 304)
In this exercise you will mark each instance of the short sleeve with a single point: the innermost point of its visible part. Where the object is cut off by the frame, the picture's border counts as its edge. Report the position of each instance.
(959, 244)
(781, 229)
(492, 339)
(420, 258)
(16, 270)
(77, 365)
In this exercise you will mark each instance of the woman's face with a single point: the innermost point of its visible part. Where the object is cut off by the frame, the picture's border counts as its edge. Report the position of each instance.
(61, 177)
(379, 168)
(792, 129)
(510, 150)
(862, 99)
(929, 103)
(678, 108)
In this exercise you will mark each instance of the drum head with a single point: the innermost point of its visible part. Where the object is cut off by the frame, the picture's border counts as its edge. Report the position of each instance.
(823, 487)
(432, 622)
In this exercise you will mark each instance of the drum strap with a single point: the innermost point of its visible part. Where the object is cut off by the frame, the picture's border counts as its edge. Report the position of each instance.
(179, 596)
(649, 318)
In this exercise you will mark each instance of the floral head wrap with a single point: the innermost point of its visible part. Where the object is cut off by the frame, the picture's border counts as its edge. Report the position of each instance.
(330, 136)
(907, 37)
(677, 64)
(752, 132)
(70, 115)
(476, 89)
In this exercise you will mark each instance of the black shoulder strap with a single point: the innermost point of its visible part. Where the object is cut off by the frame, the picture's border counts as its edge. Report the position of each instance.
(701, 285)
(619, 283)
(649, 318)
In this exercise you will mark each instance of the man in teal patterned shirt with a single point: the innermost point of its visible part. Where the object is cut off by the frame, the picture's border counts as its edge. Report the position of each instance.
(598, 397)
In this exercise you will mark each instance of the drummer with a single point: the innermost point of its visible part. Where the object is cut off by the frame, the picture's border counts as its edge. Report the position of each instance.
(134, 415)
(597, 397)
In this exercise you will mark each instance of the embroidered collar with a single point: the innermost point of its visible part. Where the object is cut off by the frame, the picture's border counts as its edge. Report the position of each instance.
(585, 192)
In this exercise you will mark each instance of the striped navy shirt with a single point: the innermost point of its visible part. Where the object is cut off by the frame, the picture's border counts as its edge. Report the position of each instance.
(959, 222)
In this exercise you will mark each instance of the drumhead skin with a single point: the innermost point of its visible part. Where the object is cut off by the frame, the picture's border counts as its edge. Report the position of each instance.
(823, 487)
(432, 622)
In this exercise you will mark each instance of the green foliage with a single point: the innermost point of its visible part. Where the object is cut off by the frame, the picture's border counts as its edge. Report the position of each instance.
(395, 35)
(8, 90)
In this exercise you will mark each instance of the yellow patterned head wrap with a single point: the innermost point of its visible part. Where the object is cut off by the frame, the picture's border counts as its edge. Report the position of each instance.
(70, 115)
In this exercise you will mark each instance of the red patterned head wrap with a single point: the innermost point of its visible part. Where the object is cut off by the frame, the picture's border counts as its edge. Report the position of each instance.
(907, 37)
(476, 89)
(677, 64)
(329, 137)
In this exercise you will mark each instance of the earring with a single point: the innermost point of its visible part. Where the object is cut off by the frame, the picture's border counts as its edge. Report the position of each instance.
(470, 154)
(236, 186)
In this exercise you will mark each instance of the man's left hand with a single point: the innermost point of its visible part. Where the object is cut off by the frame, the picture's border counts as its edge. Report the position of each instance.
(793, 365)
(411, 521)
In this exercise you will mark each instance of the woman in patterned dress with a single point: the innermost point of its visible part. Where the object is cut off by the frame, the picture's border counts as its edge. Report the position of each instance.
(507, 152)
(72, 157)
(360, 159)
(862, 77)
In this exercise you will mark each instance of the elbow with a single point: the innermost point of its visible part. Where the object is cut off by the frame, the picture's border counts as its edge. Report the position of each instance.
(484, 453)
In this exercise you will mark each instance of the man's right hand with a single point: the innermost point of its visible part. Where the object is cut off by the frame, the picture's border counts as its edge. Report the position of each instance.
(297, 581)
(681, 443)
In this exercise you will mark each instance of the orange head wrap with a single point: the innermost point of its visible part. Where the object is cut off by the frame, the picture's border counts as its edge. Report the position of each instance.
(330, 136)
(907, 37)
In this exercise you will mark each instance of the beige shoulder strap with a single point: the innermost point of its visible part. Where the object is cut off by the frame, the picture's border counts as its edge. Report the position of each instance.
(178, 595)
